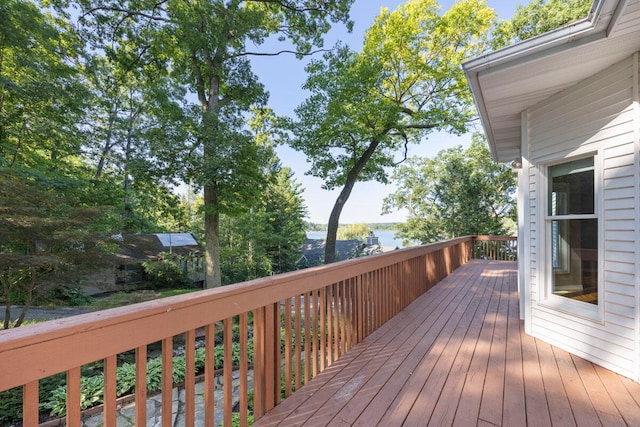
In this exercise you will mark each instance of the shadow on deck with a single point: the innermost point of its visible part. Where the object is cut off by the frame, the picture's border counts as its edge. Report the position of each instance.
(458, 355)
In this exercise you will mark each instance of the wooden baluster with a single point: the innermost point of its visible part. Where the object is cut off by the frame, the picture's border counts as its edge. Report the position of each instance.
(322, 308)
(167, 382)
(30, 404)
(141, 385)
(190, 377)
(314, 330)
(271, 341)
(209, 375)
(227, 374)
(110, 389)
(277, 353)
(298, 343)
(307, 337)
(258, 363)
(337, 321)
(288, 336)
(73, 397)
(244, 370)
(344, 317)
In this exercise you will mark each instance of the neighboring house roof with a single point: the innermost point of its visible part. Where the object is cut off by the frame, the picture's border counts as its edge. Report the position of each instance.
(508, 81)
(313, 249)
(140, 247)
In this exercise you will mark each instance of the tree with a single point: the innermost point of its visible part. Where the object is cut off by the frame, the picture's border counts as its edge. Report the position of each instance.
(265, 240)
(538, 17)
(205, 46)
(354, 231)
(42, 95)
(457, 193)
(407, 81)
(49, 223)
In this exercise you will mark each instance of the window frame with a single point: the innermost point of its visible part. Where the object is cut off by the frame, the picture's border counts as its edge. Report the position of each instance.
(594, 312)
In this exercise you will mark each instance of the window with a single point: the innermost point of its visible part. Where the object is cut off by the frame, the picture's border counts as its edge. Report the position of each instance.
(572, 230)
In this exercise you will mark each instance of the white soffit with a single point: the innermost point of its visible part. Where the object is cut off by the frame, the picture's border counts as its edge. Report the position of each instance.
(508, 81)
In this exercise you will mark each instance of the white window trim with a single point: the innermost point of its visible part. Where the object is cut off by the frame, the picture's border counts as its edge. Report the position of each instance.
(546, 297)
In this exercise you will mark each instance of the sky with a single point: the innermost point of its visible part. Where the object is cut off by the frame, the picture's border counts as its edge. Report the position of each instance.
(283, 77)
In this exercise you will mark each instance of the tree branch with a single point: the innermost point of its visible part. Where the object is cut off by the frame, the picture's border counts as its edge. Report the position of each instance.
(290, 7)
(406, 149)
(237, 55)
(129, 13)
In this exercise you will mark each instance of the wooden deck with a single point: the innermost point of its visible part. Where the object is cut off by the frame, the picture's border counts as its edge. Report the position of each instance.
(459, 356)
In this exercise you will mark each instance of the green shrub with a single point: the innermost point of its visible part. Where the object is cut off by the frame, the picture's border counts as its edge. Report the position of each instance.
(166, 272)
(91, 394)
(10, 406)
(70, 296)
(92, 388)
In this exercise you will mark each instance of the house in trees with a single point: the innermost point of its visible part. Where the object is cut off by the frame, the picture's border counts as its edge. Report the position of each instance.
(564, 107)
(136, 249)
(313, 251)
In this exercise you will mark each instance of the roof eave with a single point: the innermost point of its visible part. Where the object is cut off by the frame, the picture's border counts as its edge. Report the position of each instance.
(586, 30)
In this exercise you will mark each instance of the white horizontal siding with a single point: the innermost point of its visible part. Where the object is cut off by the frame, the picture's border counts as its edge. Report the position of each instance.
(631, 16)
(595, 116)
(533, 236)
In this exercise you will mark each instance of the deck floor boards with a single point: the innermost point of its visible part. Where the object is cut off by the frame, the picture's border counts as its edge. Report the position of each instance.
(459, 356)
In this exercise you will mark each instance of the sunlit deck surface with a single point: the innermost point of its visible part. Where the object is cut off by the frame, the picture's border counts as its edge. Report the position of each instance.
(459, 356)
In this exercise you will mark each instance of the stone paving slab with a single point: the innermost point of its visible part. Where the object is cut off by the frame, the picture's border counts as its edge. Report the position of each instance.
(126, 414)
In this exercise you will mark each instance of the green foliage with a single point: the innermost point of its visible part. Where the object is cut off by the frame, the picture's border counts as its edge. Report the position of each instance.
(11, 400)
(91, 393)
(53, 226)
(10, 406)
(354, 231)
(265, 240)
(203, 48)
(364, 108)
(310, 226)
(167, 271)
(53, 389)
(69, 296)
(92, 387)
(235, 419)
(42, 97)
(457, 193)
(538, 17)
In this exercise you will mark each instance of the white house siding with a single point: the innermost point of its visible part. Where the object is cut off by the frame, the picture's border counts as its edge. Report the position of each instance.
(596, 115)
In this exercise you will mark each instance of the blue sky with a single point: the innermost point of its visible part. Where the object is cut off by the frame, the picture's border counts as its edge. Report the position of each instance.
(283, 77)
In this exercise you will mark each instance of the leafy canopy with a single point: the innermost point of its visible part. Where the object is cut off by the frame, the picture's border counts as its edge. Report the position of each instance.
(457, 193)
(365, 108)
(406, 82)
(538, 17)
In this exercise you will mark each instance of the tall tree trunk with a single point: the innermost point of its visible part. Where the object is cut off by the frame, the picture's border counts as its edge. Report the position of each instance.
(18, 144)
(127, 214)
(107, 145)
(334, 218)
(208, 90)
(7, 303)
(27, 305)
(334, 221)
(213, 272)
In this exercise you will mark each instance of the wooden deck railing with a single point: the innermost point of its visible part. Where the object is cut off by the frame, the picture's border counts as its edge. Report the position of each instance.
(500, 248)
(300, 323)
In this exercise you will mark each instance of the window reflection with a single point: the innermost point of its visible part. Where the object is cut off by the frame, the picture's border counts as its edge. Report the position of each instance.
(574, 239)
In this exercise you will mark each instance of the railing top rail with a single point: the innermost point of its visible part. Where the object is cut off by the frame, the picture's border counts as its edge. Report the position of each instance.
(495, 238)
(57, 345)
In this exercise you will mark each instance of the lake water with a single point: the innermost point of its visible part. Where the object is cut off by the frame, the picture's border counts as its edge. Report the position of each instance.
(386, 237)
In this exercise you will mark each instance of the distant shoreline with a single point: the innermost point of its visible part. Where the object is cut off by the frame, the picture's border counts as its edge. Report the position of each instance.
(385, 226)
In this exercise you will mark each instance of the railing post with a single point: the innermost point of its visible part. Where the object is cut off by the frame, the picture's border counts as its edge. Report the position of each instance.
(30, 404)
(267, 358)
